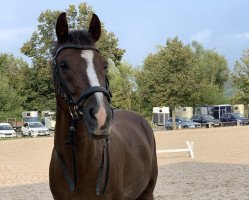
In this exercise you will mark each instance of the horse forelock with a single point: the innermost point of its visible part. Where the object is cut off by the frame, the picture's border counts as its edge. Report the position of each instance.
(76, 37)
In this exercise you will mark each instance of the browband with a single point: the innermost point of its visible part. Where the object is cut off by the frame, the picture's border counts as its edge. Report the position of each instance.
(73, 46)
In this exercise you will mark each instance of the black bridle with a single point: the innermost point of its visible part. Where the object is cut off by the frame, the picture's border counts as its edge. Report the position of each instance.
(63, 86)
(74, 111)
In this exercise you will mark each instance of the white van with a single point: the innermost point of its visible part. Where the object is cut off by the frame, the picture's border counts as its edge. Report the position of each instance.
(6, 131)
(34, 128)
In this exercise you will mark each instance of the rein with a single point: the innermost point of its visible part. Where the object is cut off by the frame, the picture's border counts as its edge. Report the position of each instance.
(73, 108)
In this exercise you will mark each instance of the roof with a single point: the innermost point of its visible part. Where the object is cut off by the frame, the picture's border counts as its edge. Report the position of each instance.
(4, 124)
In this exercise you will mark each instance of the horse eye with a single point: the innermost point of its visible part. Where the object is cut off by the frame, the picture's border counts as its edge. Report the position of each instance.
(63, 65)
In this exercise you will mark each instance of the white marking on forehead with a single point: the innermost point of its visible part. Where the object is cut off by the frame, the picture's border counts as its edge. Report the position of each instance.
(93, 80)
(92, 76)
(91, 73)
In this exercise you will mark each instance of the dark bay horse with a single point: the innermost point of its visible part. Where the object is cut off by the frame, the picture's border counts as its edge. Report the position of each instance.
(99, 153)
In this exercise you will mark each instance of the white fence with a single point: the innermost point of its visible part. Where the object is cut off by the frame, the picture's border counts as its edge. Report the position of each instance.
(189, 149)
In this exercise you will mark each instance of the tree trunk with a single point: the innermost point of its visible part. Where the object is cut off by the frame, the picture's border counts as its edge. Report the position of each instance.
(174, 118)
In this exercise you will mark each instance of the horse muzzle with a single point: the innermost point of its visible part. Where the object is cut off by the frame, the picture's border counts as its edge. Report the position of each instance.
(96, 133)
(98, 120)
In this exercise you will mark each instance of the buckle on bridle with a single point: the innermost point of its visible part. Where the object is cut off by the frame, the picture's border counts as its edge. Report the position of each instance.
(73, 111)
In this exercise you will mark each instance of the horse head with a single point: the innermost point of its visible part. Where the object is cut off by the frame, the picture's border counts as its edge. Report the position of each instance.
(80, 77)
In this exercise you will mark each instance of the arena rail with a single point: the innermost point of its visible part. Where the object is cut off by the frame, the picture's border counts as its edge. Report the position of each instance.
(189, 149)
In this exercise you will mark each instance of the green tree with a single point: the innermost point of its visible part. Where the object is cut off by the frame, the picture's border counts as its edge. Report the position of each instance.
(41, 44)
(22, 79)
(122, 85)
(14, 85)
(11, 99)
(211, 74)
(212, 67)
(240, 79)
(9, 67)
(167, 77)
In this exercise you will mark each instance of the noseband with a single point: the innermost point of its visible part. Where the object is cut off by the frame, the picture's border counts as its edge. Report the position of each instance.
(73, 108)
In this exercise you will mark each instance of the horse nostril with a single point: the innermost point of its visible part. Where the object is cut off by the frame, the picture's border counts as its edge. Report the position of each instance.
(96, 115)
(91, 112)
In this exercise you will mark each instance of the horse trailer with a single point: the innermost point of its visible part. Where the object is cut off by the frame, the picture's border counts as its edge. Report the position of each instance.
(48, 119)
(219, 110)
(204, 110)
(160, 115)
(238, 108)
(186, 112)
(30, 116)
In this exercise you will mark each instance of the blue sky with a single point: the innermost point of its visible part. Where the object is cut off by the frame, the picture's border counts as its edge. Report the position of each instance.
(142, 25)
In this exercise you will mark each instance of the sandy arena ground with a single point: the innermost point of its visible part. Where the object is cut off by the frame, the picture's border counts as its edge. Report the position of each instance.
(219, 171)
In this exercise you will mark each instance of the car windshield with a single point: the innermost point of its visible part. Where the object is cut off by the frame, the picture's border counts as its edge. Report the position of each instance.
(5, 127)
(208, 117)
(185, 120)
(171, 120)
(180, 120)
(36, 125)
(237, 115)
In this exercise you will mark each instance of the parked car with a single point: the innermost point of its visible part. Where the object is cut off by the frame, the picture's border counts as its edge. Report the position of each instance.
(234, 119)
(7, 131)
(206, 120)
(181, 123)
(34, 129)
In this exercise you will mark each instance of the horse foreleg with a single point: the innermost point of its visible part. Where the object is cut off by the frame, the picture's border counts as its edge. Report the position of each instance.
(145, 196)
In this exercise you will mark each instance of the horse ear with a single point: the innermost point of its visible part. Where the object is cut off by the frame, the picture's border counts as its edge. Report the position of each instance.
(62, 28)
(95, 28)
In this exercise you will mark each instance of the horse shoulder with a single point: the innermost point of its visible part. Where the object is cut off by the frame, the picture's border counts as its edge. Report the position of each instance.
(133, 146)
(131, 132)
